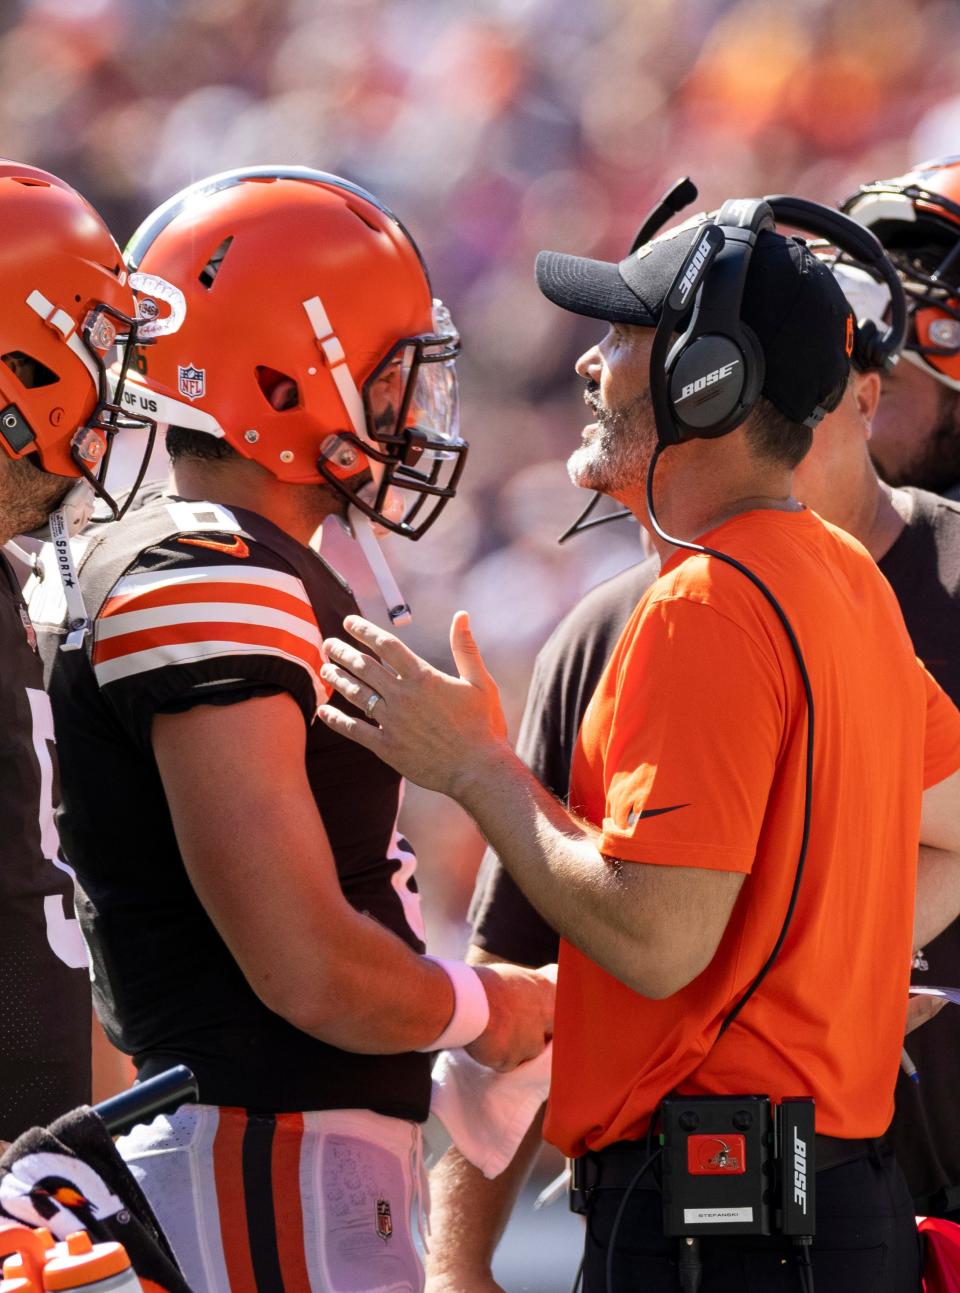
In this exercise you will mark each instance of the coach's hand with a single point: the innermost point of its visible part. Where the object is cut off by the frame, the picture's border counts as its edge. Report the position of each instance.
(521, 1016)
(435, 729)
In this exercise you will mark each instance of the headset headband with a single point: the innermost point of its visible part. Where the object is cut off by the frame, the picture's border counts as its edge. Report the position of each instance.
(873, 348)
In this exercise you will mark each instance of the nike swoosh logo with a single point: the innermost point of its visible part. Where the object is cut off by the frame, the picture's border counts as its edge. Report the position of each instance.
(237, 547)
(633, 816)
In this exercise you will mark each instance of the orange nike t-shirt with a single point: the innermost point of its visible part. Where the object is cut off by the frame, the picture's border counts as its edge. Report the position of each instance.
(691, 754)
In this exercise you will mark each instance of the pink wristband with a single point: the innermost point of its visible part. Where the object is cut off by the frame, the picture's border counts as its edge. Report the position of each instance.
(471, 1009)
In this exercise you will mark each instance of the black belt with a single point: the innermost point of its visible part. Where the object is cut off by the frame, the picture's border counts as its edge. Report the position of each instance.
(616, 1166)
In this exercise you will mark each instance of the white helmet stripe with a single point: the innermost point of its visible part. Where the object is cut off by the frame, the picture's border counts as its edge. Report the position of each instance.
(336, 358)
(139, 398)
(347, 388)
(79, 349)
(319, 320)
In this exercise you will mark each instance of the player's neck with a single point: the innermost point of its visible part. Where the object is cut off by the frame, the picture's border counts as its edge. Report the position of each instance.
(852, 497)
(891, 514)
(298, 510)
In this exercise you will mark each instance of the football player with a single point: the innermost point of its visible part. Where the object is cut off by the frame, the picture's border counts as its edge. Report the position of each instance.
(916, 433)
(250, 905)
(64, 299)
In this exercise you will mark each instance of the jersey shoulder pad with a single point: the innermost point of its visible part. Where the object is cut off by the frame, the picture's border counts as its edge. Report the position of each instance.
(218, 604)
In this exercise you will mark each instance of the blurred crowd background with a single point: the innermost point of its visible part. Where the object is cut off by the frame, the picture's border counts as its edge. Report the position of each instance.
(494, 128)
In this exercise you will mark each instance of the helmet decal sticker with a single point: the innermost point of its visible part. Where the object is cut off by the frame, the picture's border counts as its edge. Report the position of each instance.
(191, 381)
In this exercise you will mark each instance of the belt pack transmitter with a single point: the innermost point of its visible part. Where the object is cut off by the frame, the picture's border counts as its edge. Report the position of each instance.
(738, 1165)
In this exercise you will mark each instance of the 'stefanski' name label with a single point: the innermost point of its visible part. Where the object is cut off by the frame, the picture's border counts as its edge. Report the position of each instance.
(715, 1216)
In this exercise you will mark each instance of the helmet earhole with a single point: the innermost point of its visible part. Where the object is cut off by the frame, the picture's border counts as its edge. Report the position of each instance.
(28, 371)
(280, 390)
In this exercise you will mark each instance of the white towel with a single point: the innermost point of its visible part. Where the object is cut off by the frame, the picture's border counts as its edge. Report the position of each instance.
(484, 1113)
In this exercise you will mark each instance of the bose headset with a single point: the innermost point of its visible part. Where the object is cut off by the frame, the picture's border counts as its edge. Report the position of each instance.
(716, 343)
(704, 386)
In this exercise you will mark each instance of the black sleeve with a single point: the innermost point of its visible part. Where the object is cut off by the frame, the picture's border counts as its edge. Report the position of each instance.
(504, 922)
(567, 670)
(227, 693)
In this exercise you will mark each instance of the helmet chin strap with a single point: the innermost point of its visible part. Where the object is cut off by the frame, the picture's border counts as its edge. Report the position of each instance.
(363, 531)
(69, 519)
(359, 525)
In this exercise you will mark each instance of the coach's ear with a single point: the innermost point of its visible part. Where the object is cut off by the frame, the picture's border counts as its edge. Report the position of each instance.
(866, 393)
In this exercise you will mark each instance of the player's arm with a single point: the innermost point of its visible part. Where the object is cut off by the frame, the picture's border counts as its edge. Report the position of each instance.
(258, 857)
(938, 875)
(468, 1211)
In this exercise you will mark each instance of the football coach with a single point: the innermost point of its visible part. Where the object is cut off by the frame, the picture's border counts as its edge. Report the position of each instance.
(762, 764)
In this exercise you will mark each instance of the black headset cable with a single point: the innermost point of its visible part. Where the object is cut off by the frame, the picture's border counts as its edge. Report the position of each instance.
(808, 693)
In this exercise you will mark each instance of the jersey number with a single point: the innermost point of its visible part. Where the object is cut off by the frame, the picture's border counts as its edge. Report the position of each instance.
(63, 931)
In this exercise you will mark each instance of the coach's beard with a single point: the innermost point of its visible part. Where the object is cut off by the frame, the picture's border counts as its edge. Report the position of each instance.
(617, 446)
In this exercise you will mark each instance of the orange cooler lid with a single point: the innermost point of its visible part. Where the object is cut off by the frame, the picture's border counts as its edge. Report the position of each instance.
(80, 1262)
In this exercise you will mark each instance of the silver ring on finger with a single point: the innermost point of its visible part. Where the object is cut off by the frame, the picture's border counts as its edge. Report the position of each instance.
(372, 701)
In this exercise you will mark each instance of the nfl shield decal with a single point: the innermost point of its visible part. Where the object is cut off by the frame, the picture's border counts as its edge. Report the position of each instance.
(384, 1219)
(192, 381)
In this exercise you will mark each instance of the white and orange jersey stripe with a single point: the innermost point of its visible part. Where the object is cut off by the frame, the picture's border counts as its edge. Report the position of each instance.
(154, 619)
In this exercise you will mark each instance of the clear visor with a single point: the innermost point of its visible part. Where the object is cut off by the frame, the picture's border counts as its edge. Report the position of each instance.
(413, 444)
(415, 389)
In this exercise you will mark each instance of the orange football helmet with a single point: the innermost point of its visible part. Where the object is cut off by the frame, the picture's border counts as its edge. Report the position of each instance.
(65, 303)
(917, 218)
(311, 341)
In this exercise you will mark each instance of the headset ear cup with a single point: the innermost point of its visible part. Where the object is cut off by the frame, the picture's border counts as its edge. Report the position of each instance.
(708, 381)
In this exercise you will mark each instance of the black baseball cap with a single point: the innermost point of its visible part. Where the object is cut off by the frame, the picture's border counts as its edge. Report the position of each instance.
(791, 301)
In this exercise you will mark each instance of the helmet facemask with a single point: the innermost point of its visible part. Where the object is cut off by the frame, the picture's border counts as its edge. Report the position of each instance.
(412, 448)
(105, 331)
(105, 343)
